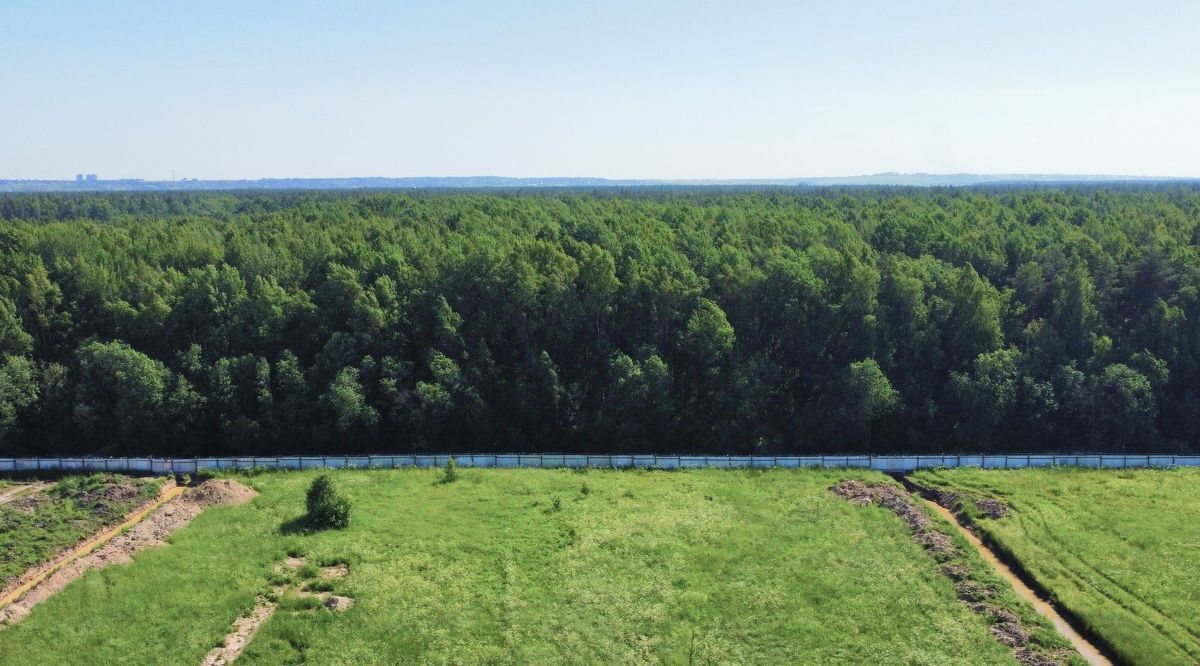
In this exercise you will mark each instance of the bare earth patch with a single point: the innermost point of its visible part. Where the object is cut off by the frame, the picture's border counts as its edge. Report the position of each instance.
(991, 508)
(239, 636)
(150, 532)
(335, 571)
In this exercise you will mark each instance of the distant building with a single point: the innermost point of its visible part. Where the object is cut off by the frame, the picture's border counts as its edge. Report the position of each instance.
(91, 177)
(79, 178)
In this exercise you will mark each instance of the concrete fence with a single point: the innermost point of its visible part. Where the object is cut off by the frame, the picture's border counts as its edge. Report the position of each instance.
(548, 460)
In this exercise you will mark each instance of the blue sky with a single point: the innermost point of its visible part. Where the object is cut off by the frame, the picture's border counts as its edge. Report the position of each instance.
(614, 89)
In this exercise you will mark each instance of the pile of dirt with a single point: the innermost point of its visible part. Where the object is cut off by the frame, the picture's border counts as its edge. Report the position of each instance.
(1012, 634)
(991, 508)
(150, 532)
(30, 504)
(338, 604)
(997, 613)
(946, 498)
(973, 591)
(219, 491)
(116, 492)
(955, 572)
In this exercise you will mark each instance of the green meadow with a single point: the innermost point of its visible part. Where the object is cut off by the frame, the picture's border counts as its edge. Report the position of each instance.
(534, 566)
(1119, 549)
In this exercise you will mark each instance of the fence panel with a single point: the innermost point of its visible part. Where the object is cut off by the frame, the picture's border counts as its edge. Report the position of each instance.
(888, 463)
(621, 462)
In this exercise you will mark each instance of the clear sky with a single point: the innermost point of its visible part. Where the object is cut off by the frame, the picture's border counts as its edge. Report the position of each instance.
(622, 89)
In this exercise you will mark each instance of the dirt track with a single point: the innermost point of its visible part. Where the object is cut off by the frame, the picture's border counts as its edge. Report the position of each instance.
(147, 527)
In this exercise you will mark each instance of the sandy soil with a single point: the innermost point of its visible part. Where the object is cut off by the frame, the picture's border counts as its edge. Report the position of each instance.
(240, 635)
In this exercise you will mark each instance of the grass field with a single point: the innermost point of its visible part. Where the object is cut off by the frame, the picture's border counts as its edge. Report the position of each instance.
(36, 527)
(1120, 549)
(535, 566)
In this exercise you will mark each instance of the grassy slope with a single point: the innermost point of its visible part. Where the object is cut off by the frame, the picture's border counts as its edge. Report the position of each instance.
(62, 518)
(1120, 549)
(734, 567)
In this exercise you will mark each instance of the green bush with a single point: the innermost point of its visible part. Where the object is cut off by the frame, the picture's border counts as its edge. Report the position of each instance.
(326, 507)
(450, 472)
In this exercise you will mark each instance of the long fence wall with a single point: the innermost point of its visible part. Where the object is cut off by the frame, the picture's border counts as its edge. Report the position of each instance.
(880, 463)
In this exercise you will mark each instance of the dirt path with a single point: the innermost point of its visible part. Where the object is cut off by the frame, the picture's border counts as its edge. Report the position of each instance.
(1085, 648)
(21, 490)
(147, 527)
(239, 636)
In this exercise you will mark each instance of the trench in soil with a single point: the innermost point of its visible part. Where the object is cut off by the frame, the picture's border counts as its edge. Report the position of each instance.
(1090, 653)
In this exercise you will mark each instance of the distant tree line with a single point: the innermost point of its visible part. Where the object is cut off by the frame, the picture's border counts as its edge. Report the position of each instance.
(643, 320)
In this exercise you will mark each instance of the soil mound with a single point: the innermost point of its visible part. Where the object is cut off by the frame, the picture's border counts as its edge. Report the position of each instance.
(955, 572)
(969, 590)
(338, 604)
(219, 491)
(996, 612)
(117, 492)
(1012, 634)
(991, 508)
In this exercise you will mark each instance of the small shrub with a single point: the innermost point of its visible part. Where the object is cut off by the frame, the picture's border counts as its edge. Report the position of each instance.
(585, 488)
(308, 571)
(326, 507)
(450, 471)
(627, 494)
(557, 504)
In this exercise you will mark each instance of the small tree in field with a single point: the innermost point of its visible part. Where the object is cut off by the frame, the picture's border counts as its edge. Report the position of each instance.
(450, 471)
(326, 507)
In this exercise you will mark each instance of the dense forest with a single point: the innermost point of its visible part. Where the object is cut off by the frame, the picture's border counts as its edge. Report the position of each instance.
(771, 321)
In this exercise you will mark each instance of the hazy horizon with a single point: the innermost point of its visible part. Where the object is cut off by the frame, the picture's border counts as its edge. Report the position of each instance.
(618, 90)
(903, 174)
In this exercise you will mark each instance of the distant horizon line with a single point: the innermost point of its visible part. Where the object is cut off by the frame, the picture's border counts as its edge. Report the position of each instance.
(92, 182)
